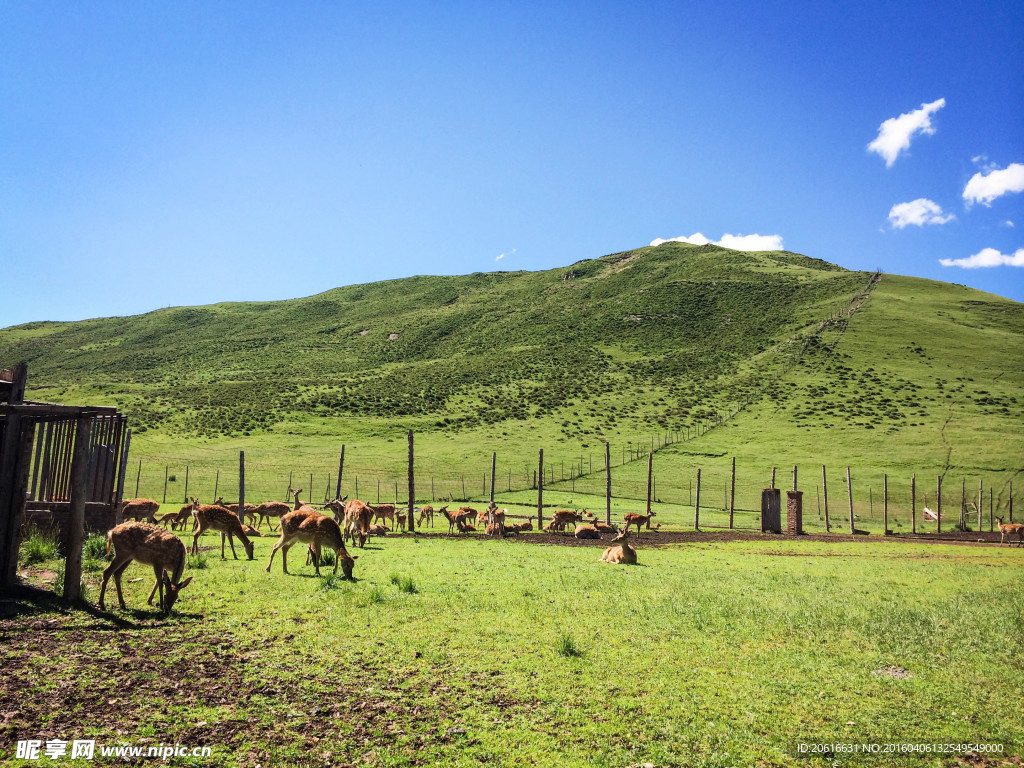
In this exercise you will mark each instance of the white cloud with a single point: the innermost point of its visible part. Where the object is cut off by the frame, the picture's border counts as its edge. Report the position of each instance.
(501, 256)
(1009, 223)
(987, 257)
(735, 242)
(895, 133)
(984, 188)
(917, 212)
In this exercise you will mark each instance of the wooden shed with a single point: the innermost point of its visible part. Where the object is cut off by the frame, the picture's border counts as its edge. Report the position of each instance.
(61, 466)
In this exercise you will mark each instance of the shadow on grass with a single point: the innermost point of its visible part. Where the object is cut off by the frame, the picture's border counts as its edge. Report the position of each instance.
(24, 601)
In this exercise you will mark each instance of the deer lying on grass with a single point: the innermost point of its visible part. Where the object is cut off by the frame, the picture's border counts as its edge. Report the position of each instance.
(136, 509)
(377, 530)
(212, 517)
(315, 529)
(151, 545)
(426, 513)
(623, 554)
(1010, 529)
(587, 531)
(603, 527)
(633, 518)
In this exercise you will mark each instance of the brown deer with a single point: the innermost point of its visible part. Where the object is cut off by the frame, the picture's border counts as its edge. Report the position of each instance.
(210, 516)
(633, 518)
(426, 513)
(269, 510)
(603, 527)
(315, 529)
(355, 516)
(1010, 528)
(586, 531)
(179, 518)
(136, 509)
(151, 545)
(383, 512)
(561, 519)
(623, 554)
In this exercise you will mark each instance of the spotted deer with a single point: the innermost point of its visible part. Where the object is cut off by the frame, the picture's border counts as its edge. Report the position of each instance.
(212, 517)
(1009, 529)
(149, 544)
(316, 530)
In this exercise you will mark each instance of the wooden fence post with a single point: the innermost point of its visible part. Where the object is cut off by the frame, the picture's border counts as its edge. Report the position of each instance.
(341, 468)
(981, 496)
(138, 476)
(411, 522)
(696, 506)
(165, 485)
(186, 485)
(913, 503)
(216, 485)
(241, 485)
(732, 493)
(650, 472)
(938, 504)
(824, 493)
(849, 488)
(608, 483)
(885, 504)
(76, 523)
(540, 490)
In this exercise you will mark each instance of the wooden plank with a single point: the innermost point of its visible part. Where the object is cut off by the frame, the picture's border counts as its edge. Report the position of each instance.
(15, 456)
(80, 471)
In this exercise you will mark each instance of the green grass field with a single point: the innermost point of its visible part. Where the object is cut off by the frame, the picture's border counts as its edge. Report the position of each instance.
(463, 652)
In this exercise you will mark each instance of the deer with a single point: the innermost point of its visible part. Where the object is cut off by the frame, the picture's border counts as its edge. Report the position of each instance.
(603, 527)
(586, 531)
(426, 513)
(268, 510)
(400, 518)
(623, 554)
(355, 516)
(139, 508)
(384, 512)
(179, 518)
(633, 518)
(250, 510)
(562, 518)
(1010, 528)
(314, 529)
(151, 545)
(211, 516)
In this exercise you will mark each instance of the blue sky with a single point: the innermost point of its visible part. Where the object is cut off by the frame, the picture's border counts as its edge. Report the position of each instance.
(162, 154)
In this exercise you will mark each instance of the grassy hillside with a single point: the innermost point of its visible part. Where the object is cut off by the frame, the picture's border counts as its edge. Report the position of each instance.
(773, 358)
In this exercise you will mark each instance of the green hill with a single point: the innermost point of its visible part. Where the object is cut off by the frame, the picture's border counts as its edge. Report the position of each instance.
(772, 357)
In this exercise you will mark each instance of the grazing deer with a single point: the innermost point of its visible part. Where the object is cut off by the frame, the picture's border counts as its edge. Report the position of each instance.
(136, 509)
(632, 518)
(623, 554)
(210, 516)
(355, 516)
(1010, 528)
(315, 529)
(426, 513)
(151, 545)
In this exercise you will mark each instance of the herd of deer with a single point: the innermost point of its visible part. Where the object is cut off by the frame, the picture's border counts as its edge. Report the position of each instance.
(146, 539)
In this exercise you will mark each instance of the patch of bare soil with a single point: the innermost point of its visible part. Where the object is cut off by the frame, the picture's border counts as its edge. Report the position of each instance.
(72, 677)
(655, 539)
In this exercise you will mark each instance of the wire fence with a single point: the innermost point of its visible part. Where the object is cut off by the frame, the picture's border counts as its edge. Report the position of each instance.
(873, 499)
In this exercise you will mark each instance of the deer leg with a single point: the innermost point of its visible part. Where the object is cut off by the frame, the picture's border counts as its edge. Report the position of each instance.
(109, 571)
(117, 582)
(195, 540)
